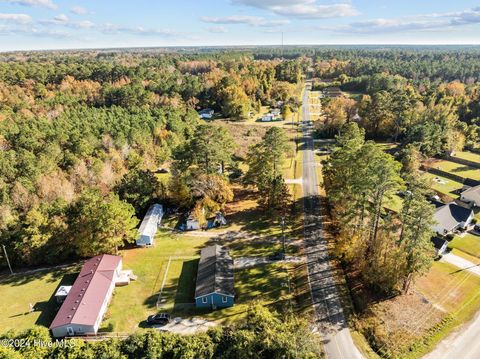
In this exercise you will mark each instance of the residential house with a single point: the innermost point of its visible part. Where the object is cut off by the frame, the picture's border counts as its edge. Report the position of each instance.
(192, 223)
(149, 226)
(471, 195)
(219, 220)
(275, 112)
(450, 217)
(215, 283)
(268, 117)
(86, 303)
(440, 244)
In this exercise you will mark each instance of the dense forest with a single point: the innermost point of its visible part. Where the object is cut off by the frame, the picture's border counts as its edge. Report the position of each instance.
(82, 134)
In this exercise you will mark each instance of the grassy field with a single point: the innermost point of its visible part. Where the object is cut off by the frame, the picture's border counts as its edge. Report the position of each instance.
(448, 287)
(38, 289)
(453, 291)
(409, 326)
(268, 284)
(168, 268)
(131, 304)
(457, 169)
(466, 256)
(395, 203)
(443, 185)
(470, 156)
(387, 145)
(357, 96)
(469, 244)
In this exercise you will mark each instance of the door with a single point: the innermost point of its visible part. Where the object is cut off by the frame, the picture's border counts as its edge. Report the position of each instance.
(70, 331)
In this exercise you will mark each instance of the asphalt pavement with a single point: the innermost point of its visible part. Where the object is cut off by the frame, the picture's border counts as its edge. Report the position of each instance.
(330, 318)
(463, 344)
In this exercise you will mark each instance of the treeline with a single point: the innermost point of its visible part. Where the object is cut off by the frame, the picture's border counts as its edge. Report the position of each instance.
(436, 118)
(261, 335)
(82, 135)
(387, 249)
(429, 64)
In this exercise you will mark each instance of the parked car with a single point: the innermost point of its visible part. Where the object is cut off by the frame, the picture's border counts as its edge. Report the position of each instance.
(160, 318)
(476, 229)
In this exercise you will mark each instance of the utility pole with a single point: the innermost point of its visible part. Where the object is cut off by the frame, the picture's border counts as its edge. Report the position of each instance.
(282, 44)
(8, 261)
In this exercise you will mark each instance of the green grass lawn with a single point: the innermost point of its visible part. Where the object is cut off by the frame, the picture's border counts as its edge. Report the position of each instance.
(458, 169)
(469, 244)
(268, 284)
(38, 289)
(387, 145)
(357, 96)
(449, 288)
(447, 186)
(131, 304)
(394, 203)
(455, 292)
(470, 156)
(466, 256)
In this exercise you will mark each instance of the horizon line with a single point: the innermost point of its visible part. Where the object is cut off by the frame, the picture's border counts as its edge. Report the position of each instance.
(239, 46)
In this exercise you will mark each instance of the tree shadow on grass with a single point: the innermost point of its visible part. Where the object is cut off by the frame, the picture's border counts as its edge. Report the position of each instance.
(186, 282)
(21, 279)
(50, 308)
(462, 169)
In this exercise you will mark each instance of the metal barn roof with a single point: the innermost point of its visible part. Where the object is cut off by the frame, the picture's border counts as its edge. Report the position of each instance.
(87, 295)
(150, 222)
(215, 272)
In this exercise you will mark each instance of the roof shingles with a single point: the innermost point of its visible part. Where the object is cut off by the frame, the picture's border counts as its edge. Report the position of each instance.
(215, 272)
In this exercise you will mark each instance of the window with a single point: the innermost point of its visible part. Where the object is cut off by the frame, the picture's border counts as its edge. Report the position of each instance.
(224, 299)
(204, 300)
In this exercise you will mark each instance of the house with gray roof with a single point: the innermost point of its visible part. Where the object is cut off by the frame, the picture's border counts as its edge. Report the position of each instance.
(451, 217)
(215, 282)
(471, 195)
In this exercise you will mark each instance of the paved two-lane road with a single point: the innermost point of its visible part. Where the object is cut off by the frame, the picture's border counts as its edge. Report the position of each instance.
(330, 318)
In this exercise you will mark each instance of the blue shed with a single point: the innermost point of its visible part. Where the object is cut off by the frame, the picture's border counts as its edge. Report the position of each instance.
(215, 282)
(149, 226)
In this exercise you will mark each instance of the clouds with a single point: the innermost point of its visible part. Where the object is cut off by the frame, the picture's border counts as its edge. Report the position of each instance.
(244, 19)
(426, 22)
(15, 18)
(302, 9)
(217, 29)
(38, 3)
(64, 20)
(113, 29)
(78, 10)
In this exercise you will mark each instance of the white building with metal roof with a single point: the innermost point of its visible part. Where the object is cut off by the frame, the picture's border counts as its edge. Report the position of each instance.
(149, 226)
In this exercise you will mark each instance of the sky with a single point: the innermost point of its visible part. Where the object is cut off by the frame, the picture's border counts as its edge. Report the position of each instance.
(70, 24)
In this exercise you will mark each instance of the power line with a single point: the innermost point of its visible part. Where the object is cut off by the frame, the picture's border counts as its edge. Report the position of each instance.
(8, 261)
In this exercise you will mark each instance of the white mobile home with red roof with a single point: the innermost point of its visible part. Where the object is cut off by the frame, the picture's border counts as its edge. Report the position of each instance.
(86, 303)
